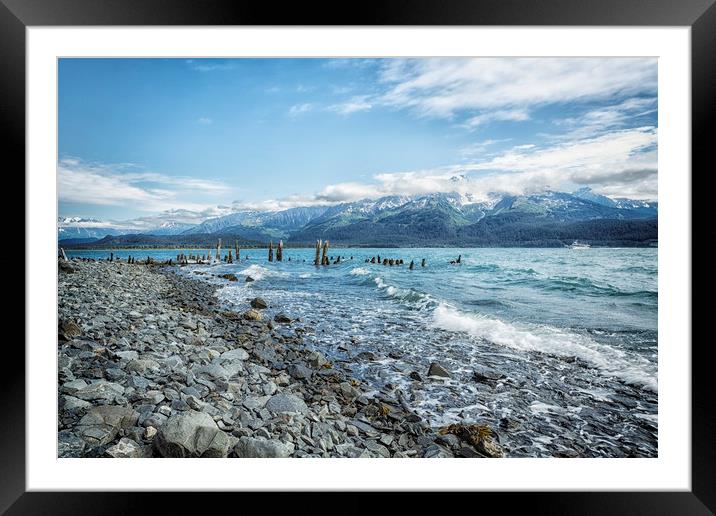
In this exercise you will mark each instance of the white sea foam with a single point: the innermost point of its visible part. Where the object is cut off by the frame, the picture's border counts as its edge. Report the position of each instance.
(359, 271)
(609, 360)
(256, 271)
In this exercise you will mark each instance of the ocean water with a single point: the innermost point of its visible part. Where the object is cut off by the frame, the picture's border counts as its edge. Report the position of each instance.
(569, 335)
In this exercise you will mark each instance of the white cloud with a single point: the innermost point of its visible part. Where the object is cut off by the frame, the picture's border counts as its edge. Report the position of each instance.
(513, 115)
(120, 185)
(299, 109)
(209, 65)
(205, 120)
(622, 163)
(354, 105)
(443, 87)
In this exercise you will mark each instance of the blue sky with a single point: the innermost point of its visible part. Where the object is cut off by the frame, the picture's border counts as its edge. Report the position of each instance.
(185, 139)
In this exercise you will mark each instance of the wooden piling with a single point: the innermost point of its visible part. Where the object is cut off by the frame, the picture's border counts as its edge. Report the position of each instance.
(412, 265)
(64, 255)
(218, 251)
(279, 251)
(459, 258)
(318, 253)
(238, 251)
(270, 252)
(229, 258)
(422, 264)
(324, 259)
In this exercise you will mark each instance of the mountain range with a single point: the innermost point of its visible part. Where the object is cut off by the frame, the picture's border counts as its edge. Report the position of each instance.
(547, 218)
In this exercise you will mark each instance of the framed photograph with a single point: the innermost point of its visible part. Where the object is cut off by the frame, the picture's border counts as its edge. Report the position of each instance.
(295, 251)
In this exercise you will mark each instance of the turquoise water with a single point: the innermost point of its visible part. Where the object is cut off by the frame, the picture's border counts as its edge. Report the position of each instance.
(572, 332)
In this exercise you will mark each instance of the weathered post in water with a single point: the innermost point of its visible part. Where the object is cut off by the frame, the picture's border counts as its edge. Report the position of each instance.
(270, 257)
(218, 251)
(324, 259)
(422, 264)
(62, 252)
(238, 251)
(230, 259)
(459, 258)
(279, 251)
(318, 253)
(111, 257)
(412, 265)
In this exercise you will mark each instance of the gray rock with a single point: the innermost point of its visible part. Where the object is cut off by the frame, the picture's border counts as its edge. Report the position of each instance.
(142, 366)
(262, 448)
(154, 397)
(100, 390)
(72, 403)
(73, 386)
(259, 303)
(69, 445)
(101, 424)
(435, 451)
(438, 370)
(486, 375)
(235, 354)
(191, 434)
(286, 403)
(316, 359)
(249, 279)
(254, 402)
(282, 318)
(214, 371)
(125, 449)
(127, 355)
(377, 449)
(299, 371)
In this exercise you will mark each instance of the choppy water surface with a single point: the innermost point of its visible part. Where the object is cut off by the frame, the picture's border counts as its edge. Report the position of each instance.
(568, 337)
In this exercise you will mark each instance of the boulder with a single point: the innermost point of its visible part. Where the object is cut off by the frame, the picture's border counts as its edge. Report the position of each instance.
(436, 369)
(101, 424)
(252, 315)
(142, 366)
(69, 445)
(286, 403)
(486, 375)
(262, 448)
(68, 330)
(299, 371)
(249, 279)
(230, 277)
(125, 449)
(191, 434)
(282, 318)
(100, 390)
(316, 359)
(259, 303)
(235, 354)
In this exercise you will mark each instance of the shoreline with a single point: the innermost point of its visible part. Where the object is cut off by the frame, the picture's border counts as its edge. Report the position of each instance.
(150, 365)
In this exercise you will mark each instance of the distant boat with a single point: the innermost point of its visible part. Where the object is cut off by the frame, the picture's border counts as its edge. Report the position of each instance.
(579, 245)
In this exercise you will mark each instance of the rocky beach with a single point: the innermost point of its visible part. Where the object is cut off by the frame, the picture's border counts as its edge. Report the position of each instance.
(151, 364)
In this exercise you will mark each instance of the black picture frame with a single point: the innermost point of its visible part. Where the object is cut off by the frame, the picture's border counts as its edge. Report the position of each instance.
(17, 15)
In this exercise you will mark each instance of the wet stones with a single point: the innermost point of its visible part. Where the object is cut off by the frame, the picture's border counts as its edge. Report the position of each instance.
(282, 403)
(191, 434)
(252, 315)
(230, 277)
(259, 303)
(101, 424)
(125, 449)
(282, 318)
(436, 369)
(250, 447)
(486, 375)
